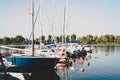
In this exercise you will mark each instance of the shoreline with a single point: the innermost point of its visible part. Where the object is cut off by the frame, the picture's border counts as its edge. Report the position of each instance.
(96, 45)
(105, 45)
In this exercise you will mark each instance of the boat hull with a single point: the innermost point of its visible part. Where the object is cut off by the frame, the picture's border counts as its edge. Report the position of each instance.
(30, 64)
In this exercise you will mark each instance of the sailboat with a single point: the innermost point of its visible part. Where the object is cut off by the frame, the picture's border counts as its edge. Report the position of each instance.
(32, 63)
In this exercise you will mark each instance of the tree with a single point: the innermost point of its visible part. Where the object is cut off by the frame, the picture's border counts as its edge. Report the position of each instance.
(13, 40)
(105, 38)
(112, 38)
(89, 38)
(98, 40)
(95, 39)
(19, 39)
(79, 39)
(1, 41)
(68, 38)
(118, 39)
(6, 40)
(73, 37)
(27, 41)
(83, 39)
(58, 39)
(37, 41)
(49, 38)
(43, 39)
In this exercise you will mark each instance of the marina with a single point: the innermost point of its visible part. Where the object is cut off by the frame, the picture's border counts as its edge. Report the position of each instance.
(101, 64)
(60, 46)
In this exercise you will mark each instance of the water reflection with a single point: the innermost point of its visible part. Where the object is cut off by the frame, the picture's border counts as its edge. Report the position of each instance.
(42, 75)
(107, 49)
(66, 70)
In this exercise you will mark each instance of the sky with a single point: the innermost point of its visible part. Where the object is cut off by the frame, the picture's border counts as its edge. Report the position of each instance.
(82, 17)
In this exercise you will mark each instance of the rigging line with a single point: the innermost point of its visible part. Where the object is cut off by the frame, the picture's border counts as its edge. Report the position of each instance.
(58, 16)
(46, 14)
(67, 24)
(68, 17)
(41, 2)
(59, 21)
(40, 20)
(30, 38)
(53, 19)
(37, 15)
(35, 22)
(66, 12)
(68, 21)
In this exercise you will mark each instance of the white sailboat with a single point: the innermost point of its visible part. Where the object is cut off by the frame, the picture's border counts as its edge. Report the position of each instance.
(31, 62)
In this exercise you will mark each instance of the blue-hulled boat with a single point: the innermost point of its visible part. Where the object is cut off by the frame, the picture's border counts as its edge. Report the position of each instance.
(30, 64)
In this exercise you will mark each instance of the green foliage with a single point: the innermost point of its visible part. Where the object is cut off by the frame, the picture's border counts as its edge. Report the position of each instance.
(73, 37)
(1, 40)
(84, 39)
(89, 39)
(118, 39)
(6, 40)
(68, 38)
(103, 39)
(58, 39)
(19, 39)
(112, 38)
(49, 38)
(43, 39)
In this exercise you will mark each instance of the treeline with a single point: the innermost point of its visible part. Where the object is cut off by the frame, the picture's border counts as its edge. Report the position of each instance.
(16, 40)
(88, 39)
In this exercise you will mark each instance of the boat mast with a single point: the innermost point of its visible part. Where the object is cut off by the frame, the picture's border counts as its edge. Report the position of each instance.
(53, 22)
(64, 25)
(63, 39)
(41, 33)
(32, 27)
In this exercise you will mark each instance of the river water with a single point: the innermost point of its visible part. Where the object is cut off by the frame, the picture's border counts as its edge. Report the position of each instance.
(102, 64)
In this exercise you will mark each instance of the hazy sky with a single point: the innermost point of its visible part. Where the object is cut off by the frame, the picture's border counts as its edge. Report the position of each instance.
(96, 17)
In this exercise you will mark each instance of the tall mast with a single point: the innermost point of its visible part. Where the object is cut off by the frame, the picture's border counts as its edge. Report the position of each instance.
(63, 37)
(64, 24)
(32, 27)
(41, 33)
(53, 20)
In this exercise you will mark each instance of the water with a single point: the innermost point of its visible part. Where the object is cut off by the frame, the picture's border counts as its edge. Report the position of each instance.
(102, 64)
